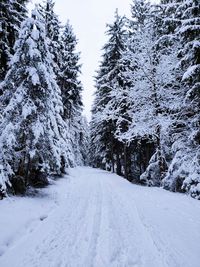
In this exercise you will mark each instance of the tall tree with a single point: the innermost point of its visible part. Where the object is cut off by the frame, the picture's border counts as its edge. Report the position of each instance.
(144, 96)
(109, 81)
(66, 66)
(183, 172)
(71, 87)
(12, 13)
(38, 142)
(69, 82)
(53, 28)
(154, 92)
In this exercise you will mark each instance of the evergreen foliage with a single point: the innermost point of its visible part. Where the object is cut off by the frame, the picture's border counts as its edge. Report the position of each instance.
(184, 170)
(32, 118)
(107, 103)
(42, 131)
(145, 121)
(71, 87)
(52, 28)
(145, 117)
(69, 74)
(12, 13)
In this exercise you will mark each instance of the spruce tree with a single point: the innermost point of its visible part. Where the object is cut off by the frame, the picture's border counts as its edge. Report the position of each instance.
(53, 28)
(144, 103)
(71, 87)
(12, 13)
(85, 141)
(190, 64)
(68, 81)
(34, 138)
(154, 92)
(183, 172)
(106, 147)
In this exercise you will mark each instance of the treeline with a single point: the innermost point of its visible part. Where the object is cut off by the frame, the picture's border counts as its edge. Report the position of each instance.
(146, 114)
(42, 131)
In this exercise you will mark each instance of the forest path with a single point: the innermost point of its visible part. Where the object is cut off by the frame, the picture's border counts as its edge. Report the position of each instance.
(98, 219)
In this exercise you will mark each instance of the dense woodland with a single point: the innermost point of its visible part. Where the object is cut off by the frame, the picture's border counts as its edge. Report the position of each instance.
(146, 114)
(145, 122)
(42, 131)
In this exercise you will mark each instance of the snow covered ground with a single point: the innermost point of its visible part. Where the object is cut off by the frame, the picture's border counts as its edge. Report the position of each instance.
(95, 218)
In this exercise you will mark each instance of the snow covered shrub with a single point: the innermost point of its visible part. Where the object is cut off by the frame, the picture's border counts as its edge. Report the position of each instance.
(151, 176)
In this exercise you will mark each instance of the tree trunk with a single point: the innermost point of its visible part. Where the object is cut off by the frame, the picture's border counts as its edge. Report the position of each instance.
(125, 162)
(161, 160)
(112, 158)
(119, 167)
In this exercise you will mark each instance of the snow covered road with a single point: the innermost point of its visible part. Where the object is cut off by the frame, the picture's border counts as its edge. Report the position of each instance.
(97, 219)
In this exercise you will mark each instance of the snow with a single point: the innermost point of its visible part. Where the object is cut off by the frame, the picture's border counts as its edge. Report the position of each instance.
(95, 218)
(34, 75)
(190, 71)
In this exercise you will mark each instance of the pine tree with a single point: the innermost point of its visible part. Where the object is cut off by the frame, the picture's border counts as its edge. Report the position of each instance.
(106, 148)
(143, 95)
(4, 44)
(34, 138)
(149, 73)
(184, 169)
(12, 13)
(69, 74)
(83, 141)
(119, 108)
(190, 63)
(53, 28)
(71, 87)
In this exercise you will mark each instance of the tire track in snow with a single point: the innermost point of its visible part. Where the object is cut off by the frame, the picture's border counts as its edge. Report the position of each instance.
(95, 230)
(63, 233)
(134, 234)
(159, 245)
(97, 223)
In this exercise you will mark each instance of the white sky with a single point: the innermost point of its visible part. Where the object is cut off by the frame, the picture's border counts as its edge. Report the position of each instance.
(89, 18)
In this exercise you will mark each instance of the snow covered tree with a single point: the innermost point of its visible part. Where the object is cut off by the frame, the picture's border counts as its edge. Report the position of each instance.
(154, 91)
(184, 171)
(106, 148)
(33, 136)
(160, 71)
(68, 81)
(143, 94)
(71, 87)
(82, 139)
(149, 98)
(5, 49)
(67, 69)
(120, 107)
(12, 13)
(53, 27)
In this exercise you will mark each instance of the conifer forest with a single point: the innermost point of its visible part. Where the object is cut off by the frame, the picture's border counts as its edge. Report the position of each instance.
(119, 187)
(146, 114)
(145, 122)
(42, 130)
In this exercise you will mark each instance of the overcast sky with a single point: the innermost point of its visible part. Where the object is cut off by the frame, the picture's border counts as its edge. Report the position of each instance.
(89, 18)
